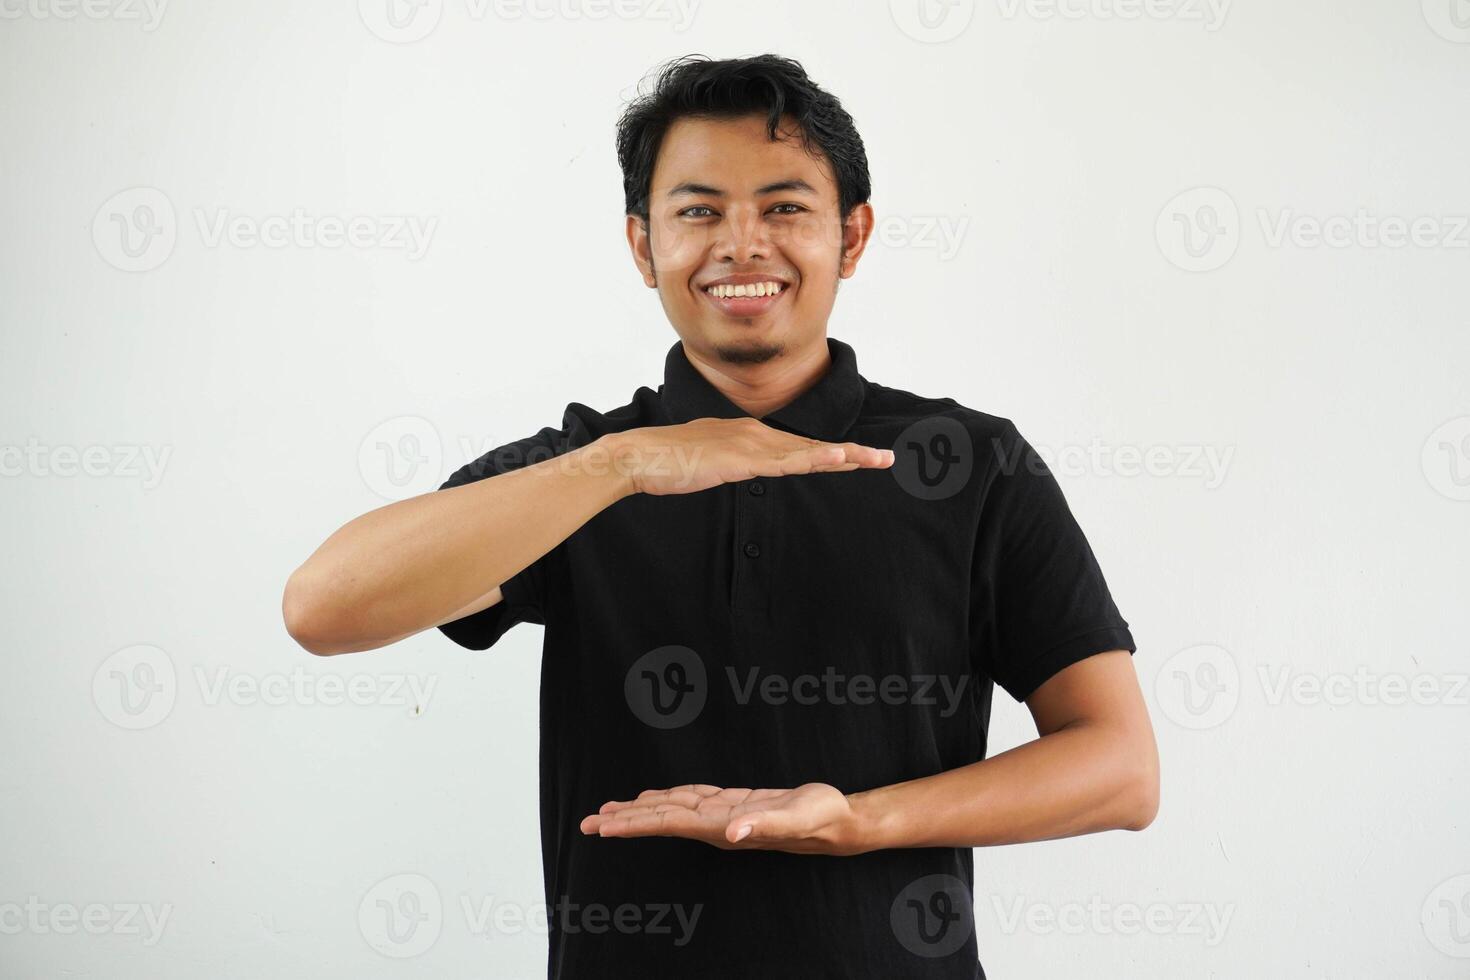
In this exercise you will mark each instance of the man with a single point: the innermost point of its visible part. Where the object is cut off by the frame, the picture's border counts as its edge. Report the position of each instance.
(776, 595)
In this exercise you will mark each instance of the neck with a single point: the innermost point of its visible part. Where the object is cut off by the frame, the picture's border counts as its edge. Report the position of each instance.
(759, 389)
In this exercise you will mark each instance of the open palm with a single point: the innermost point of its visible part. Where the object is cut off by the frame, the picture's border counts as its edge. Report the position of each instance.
(813, 818)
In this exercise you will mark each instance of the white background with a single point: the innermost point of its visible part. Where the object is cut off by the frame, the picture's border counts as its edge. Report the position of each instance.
(1279, 597)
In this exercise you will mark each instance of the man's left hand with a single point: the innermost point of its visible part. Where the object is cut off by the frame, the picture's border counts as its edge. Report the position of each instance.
(813, 818)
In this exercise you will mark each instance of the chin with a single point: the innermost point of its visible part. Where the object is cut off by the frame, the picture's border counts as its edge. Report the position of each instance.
(753, 350)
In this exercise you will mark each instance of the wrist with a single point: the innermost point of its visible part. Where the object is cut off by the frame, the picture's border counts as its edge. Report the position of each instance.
(871, 824)
(618, 450)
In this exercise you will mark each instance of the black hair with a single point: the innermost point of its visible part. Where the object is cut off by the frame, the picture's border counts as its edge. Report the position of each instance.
(695, 85)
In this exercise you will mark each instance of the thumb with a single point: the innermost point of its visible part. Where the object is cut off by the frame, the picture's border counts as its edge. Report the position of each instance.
(759, 825)
(742, 827)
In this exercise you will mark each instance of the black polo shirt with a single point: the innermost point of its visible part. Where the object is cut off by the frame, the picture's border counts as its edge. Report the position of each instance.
(844, 628)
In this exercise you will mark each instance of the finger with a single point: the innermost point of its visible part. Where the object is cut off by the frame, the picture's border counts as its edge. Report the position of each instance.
(626, 811)
(688, 795)
(612, 805)
(757, 825)
(816, 458)
(867, 456)
(639, 811)
(765, 816)
(834, 457)
(699, 789)
(594, 823)
(676, 822)
(810, 458)
(645, 799)
(753, 797)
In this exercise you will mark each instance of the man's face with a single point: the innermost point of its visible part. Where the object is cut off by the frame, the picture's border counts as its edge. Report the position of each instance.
(727, 202)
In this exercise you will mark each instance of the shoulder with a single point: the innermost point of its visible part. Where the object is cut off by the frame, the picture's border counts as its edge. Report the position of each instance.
(943, 447)
(897, 409)
(582, 424)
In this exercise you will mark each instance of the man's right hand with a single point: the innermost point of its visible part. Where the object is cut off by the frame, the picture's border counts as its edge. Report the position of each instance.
(440, 556)
(704, 453)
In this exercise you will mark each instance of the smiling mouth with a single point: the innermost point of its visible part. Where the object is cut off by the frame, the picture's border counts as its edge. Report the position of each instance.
(746, 300)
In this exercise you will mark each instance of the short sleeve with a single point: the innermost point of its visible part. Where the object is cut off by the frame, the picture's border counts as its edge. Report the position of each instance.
(523, 595)
(1039, 601)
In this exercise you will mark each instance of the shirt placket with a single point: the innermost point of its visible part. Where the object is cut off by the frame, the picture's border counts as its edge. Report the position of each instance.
(751, 553)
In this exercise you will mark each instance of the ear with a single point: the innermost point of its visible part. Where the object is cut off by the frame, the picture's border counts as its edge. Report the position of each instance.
(856, 231)
(640, 245)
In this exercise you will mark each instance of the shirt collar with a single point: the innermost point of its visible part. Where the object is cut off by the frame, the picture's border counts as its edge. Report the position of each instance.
(826, 410)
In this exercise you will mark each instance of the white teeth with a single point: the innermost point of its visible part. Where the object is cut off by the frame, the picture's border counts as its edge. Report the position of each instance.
(754, 289)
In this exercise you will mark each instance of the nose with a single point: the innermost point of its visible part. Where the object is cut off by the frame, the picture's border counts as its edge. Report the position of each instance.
(742, 238)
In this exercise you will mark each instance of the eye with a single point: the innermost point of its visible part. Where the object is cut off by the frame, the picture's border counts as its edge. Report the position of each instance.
(689, 211)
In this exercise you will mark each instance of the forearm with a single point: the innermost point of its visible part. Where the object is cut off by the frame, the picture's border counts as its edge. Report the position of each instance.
(412, 564)
(1077, 780)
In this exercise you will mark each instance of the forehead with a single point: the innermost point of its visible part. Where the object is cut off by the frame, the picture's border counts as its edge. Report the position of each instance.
(736, 156)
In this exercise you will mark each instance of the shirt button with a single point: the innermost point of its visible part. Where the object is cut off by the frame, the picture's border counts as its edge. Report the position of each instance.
(756, 489)
(752, 550)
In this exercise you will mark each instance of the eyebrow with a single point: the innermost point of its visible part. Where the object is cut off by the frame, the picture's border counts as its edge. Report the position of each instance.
(691, 188)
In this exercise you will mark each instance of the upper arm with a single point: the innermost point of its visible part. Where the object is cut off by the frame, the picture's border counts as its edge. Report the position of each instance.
(483, 602)
(1100, 695)
(1039, 601)
(1101, 689)
(521, 598)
